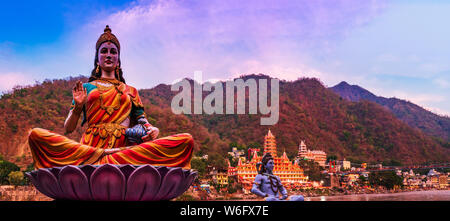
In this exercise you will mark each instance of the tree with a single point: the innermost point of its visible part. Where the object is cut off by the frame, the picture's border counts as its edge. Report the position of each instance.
(16, 178)
(199, 164)
(331, 158)
(217, 161)
(311, 169)
(387, 179)
(362, 180)
(6, 168)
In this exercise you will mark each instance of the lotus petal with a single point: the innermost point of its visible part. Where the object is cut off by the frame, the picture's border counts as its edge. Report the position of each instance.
(33, 177)
(127, 170)
(74, 183)
(48, 184)
(187, 181)
(88, 170)
(143, 184)
(162, 171)
(169, 184)
(55, 171)
(107, 183)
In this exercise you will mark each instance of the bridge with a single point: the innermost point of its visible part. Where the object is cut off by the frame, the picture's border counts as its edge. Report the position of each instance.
(376, 168)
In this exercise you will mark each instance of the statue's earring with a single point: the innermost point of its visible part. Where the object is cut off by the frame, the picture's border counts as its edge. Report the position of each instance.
(97, 69)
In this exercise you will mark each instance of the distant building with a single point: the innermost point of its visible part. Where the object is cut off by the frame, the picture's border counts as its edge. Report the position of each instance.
(443, 181)
(352, 178)
(434, 181)
(317, 155)
(331, 180)
(291, 175)
(379, 166)
(231, 170)
(363, 166)
(343, 164)
(252, 151)
(235, 153)
(221, 177)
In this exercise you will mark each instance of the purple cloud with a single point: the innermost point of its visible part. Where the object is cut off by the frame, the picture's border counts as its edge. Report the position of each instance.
(166, 40)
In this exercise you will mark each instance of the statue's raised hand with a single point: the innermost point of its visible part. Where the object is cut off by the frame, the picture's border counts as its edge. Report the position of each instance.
(79, 95)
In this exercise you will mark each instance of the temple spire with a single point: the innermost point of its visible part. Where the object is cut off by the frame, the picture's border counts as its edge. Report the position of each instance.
(270, 145)
(255, 156)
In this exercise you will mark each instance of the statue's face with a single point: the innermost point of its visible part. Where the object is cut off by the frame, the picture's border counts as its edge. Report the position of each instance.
(108, 56)
(269, 165)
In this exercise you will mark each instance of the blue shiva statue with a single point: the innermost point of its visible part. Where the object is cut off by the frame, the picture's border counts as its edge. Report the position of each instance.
(268, 185)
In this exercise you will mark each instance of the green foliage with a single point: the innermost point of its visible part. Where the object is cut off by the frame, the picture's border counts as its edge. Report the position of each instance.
(345, 136)
(30, 167)
(6, 168)
(232, 160)
(253, 145)
(311, 169)
(49, 95)
(13, 127)
(217, 161)
(199, 164)
(362, 180)
(331, 157)
(354, 147)
(391, 162)
(238, 146)
(185, 197)
(16, 178)
(67, 93)
(387, 179)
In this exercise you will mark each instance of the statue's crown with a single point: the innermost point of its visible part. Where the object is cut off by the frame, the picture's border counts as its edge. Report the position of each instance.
(107, 36)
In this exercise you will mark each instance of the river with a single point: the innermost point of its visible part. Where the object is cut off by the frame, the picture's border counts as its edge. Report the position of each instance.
(431, 195)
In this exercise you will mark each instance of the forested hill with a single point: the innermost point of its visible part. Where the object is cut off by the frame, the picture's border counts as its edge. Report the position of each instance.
(410, 113)
(361, 131)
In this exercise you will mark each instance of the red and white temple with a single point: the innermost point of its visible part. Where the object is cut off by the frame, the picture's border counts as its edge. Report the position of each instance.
(291, 174)
(318, 156)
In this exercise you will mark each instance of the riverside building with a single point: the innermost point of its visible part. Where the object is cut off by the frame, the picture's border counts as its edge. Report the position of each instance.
(291, 174)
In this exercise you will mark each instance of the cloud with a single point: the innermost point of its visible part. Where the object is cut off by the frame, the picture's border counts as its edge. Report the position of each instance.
(11, 79)
(431, 102)
(442, 82)
(165, 40)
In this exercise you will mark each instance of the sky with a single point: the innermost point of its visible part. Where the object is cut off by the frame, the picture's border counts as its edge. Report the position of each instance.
(392, 48)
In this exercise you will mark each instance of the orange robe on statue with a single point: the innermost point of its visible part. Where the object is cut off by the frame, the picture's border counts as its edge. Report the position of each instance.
(109, 104)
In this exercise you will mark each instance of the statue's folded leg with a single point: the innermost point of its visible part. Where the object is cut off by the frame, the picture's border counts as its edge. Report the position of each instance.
(50, 149)
(296, 198)
(171, 151)
(272, 198)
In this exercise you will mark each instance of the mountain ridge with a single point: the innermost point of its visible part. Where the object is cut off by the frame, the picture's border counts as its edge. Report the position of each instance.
(361, 131)
(410, 113)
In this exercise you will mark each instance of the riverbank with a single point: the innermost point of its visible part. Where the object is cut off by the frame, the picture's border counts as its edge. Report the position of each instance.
(29, 193)
(356, 191)
(21, 193)
(420, 195)
(307, 193)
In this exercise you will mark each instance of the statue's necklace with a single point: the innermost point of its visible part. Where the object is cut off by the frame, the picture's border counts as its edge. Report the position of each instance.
(272, 184)
(110, 109)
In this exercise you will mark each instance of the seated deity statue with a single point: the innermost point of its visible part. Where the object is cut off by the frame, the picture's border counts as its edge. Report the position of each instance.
(118, 131)
(268, 185)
